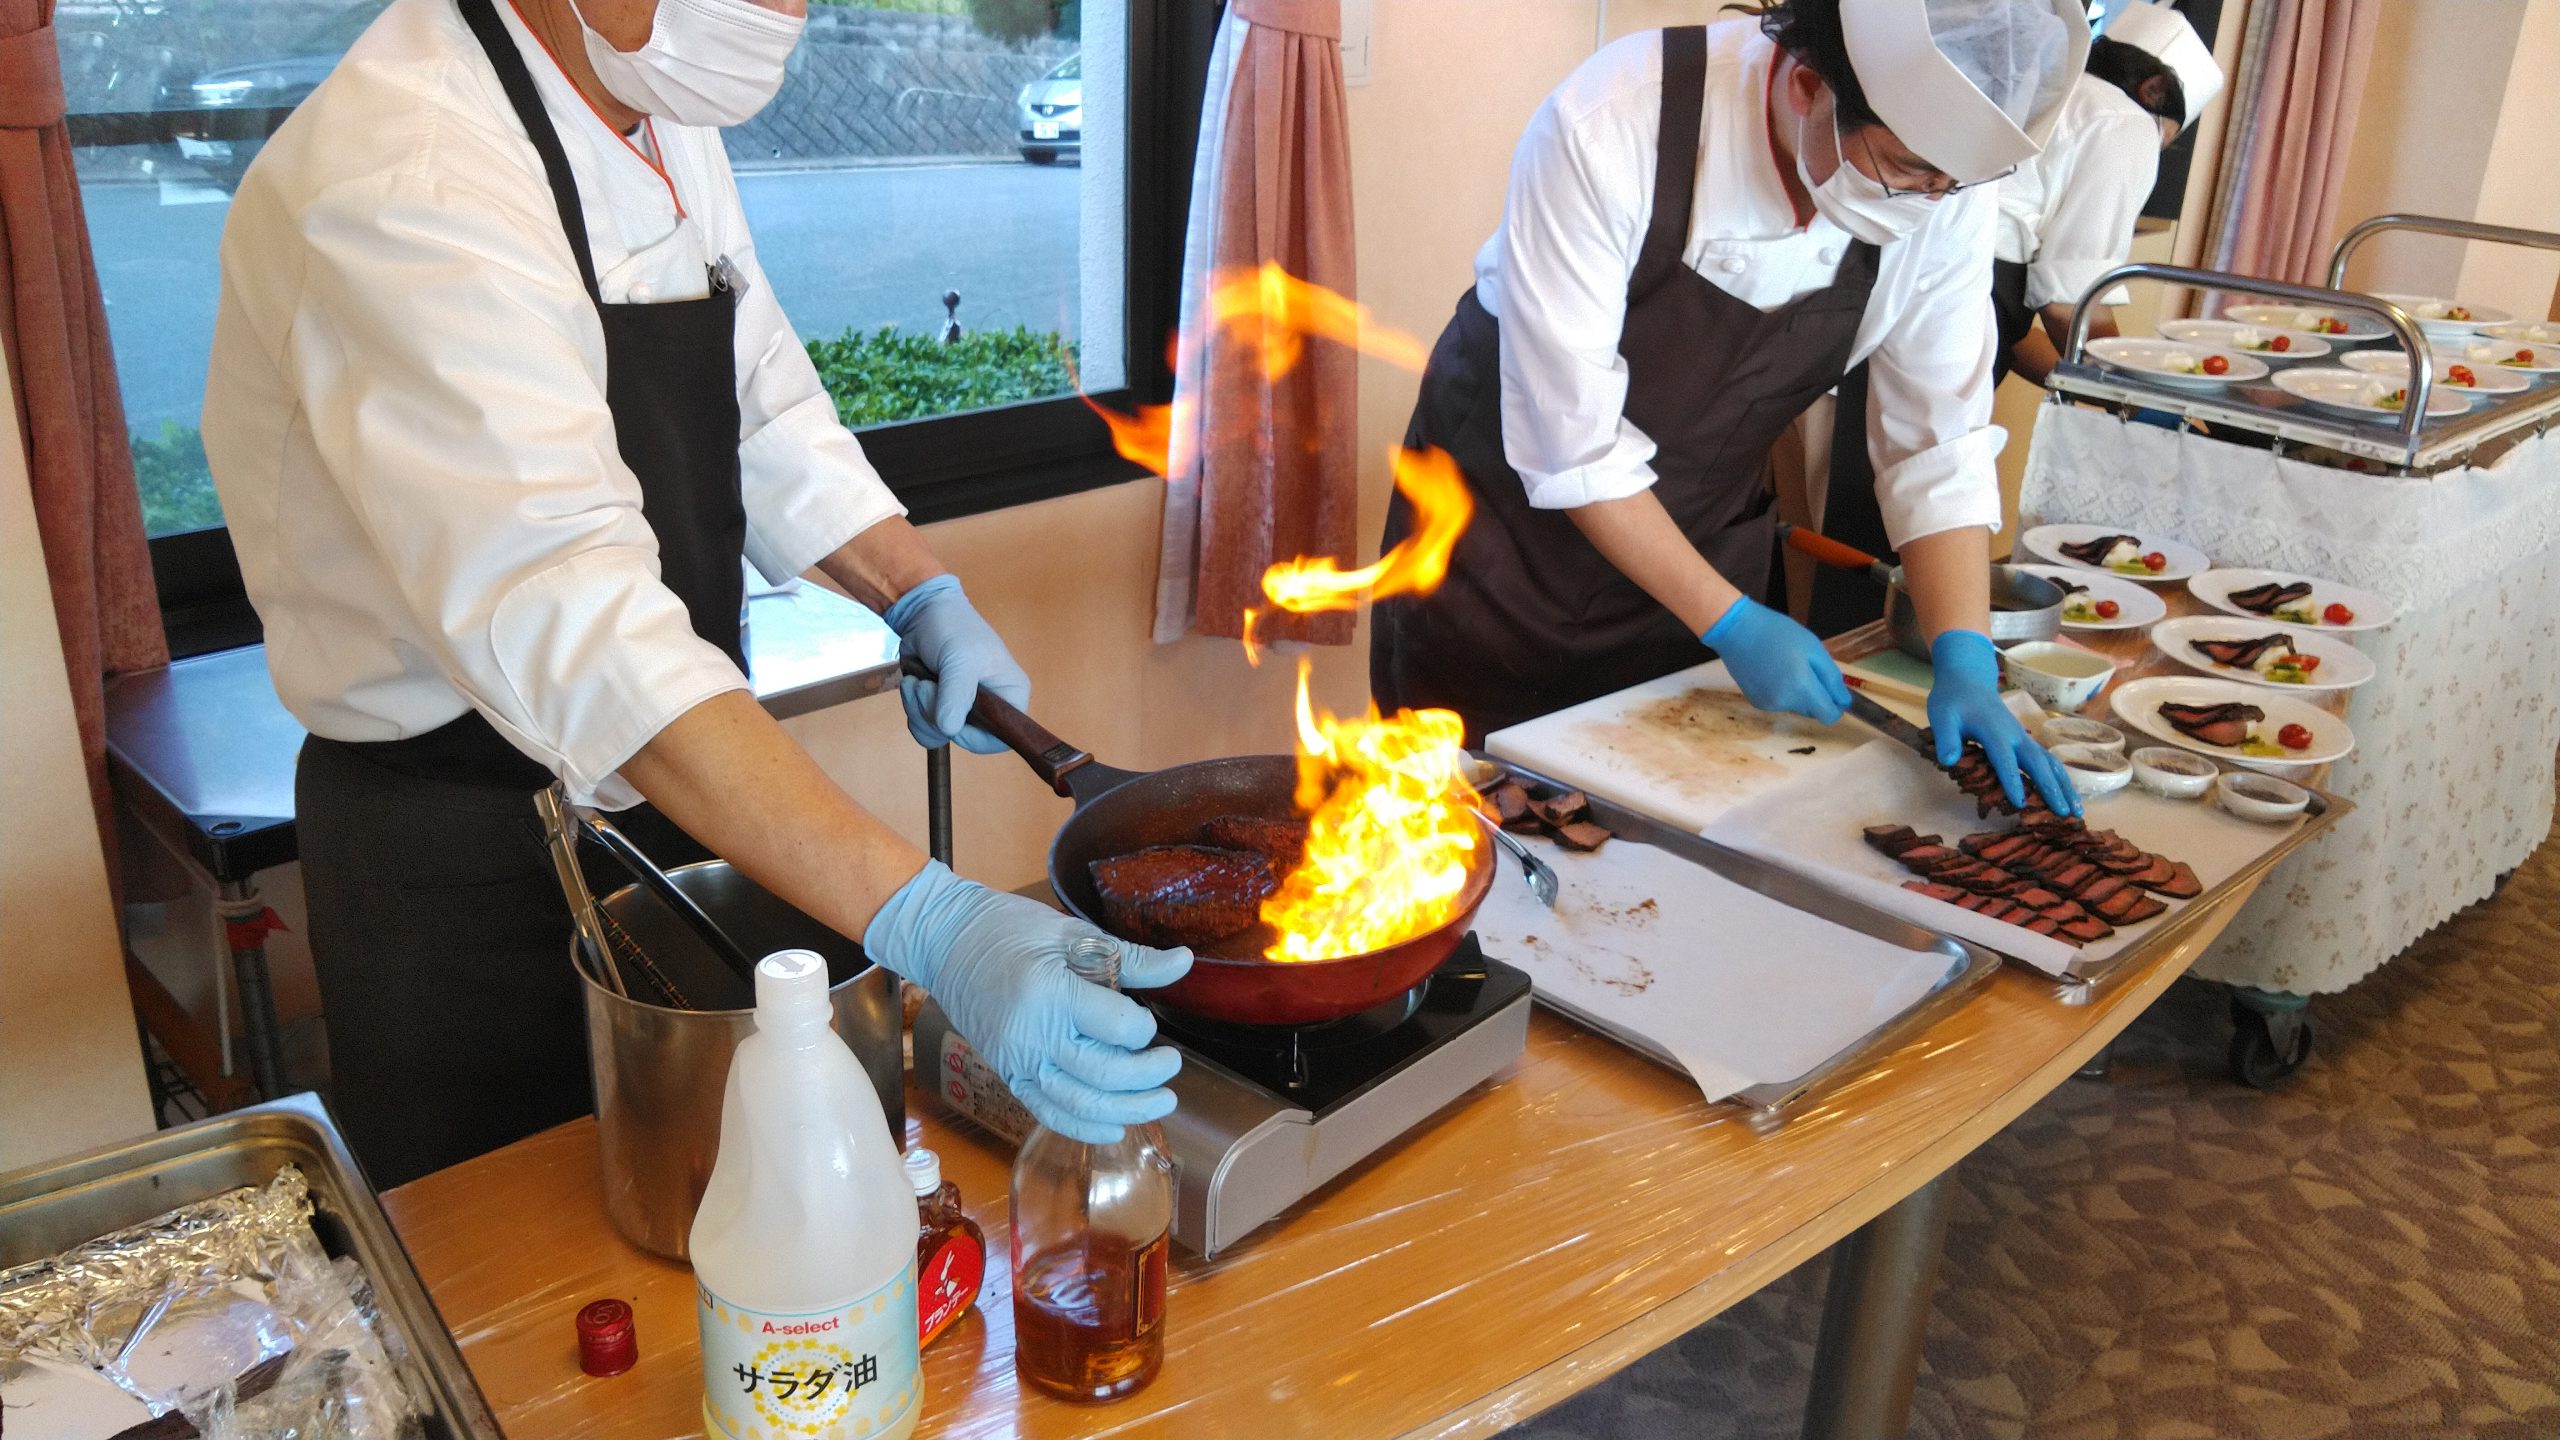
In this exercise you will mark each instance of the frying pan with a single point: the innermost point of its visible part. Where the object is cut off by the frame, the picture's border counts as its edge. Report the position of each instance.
(1118, 811)
(2033, 603)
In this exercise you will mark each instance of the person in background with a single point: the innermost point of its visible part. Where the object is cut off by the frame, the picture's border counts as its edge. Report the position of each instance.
(1705, 228)
(500, 402)
(2067, 216)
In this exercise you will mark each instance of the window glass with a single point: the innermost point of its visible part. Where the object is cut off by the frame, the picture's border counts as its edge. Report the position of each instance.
(922, 193)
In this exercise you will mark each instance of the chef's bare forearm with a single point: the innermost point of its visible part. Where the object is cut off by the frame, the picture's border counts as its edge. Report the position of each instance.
(736, 781)
(1948, 575)
(882, 563)
(1639, 537)
(2035, 354)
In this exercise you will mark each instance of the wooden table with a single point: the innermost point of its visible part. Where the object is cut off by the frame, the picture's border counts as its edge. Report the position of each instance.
(1581, 1210)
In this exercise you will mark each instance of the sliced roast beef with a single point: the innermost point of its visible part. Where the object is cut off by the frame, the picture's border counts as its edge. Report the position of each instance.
(2225, 724)
(2268, 598)
(2241, 654)
(2094, 551)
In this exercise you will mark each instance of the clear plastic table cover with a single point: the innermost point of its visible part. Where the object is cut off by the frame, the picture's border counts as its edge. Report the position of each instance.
(223, 1318)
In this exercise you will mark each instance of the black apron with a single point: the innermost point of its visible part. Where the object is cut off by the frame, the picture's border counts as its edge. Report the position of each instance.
(438, 930)
(1846, 599)
(1532, 618)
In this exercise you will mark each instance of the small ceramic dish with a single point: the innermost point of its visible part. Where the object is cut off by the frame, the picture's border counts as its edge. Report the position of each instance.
(2062, 678)
(2262, 798)
(2173, 774)
(2073, 730)
(2095, 770)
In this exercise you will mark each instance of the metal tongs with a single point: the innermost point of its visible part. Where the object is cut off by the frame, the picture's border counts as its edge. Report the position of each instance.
(1484, 774)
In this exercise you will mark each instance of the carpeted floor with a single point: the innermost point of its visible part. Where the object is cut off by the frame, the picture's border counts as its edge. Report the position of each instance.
(2372, 1253)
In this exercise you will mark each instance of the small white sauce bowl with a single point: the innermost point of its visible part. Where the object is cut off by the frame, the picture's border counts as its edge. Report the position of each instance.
(2062, 678)
(2173, 774)
(2262, 798)
(2073, 730)
(2095, 770)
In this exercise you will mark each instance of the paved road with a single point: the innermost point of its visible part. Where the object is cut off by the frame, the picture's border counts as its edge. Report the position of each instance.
(859, 248)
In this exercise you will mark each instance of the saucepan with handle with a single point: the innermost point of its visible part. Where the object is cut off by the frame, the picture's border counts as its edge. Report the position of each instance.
(1120, 811)
(2024, 606)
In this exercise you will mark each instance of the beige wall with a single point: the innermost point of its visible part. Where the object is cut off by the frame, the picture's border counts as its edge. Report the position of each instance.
(1071, 582)
(70, 1067)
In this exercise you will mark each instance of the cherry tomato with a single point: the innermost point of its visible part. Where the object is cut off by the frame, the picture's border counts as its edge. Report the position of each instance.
(2337, 614)
(2461, 375)
(2294, 737)
(2524, 357)
(2332, 325)
(2281, 343)
(2216, 365)
(2305, 663)
(2155, 562)
(2108, 609)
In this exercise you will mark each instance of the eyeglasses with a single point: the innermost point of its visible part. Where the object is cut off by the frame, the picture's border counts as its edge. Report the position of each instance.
(1933, 192)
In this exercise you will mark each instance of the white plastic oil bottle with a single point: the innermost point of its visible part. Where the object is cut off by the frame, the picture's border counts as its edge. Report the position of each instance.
(804, 1248)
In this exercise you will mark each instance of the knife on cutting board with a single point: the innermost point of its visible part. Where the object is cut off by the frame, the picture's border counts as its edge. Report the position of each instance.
(1893, 727)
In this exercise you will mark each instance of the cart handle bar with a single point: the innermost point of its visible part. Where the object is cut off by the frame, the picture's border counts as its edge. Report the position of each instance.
(2433, 225)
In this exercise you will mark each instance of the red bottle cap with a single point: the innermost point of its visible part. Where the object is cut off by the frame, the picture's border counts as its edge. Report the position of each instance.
(607, 1343)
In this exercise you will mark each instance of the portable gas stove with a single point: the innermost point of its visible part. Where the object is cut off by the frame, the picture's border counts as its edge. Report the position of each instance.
(1269, 1114)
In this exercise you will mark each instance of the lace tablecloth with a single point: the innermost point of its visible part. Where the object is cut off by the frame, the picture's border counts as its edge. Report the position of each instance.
(2452, 774)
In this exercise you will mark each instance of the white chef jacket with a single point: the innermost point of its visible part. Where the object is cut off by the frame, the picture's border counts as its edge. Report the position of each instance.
(406, 409)
(2067, 214)
(1556, 275)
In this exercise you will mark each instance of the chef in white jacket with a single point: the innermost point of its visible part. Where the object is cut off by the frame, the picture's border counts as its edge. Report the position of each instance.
(499, 399)
(1706, 228)
(2067, 216)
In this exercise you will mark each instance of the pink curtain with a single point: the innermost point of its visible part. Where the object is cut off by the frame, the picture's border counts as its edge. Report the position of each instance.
(1264, 469)
(2302, 78)
(53, 323)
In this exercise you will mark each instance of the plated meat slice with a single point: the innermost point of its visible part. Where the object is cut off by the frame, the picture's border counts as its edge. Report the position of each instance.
(2242, 654)
(2226, 724)
(2094, 552)
(1182, 894)
(2268, 598)
(1281, 842)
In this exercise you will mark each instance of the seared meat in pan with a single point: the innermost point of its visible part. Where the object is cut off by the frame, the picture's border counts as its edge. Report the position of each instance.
(1282, 842)
(1182, 894)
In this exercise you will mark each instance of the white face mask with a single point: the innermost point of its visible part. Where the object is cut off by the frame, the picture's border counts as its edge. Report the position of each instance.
(708, 62)
(1854, 201)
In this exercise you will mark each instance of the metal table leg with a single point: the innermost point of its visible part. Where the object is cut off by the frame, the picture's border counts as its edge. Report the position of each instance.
(1873, 1319)
(243, 914)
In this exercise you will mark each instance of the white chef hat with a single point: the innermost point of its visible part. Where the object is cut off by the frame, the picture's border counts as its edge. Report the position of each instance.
(1972, 86)
(2166, 35)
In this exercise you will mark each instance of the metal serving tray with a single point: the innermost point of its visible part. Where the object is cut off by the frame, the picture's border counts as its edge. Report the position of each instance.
(50, 1208)
(1969, 966)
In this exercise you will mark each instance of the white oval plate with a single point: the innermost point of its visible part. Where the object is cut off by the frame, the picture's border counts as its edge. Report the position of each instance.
(2480, 318)
(2300, 319)
(2228, 335)
(2137, 704)
(2500, 350)
(2342, 666)
(2529, 332)
(2488, 380)
(2372, 612)
(2159, 360)
(2355, 392)
(2140, 607)
(2185, 560)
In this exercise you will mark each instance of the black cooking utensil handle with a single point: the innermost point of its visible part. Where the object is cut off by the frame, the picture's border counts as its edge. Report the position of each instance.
(656, 881)
(1049, 757)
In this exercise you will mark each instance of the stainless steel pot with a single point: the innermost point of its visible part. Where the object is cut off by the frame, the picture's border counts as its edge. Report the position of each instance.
(660, 1073)
(2023, 606)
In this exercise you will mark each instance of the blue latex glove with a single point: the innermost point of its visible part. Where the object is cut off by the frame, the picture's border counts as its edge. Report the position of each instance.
(1072, 1051)
(937, 625)
(1964, 704)
(1778, 663)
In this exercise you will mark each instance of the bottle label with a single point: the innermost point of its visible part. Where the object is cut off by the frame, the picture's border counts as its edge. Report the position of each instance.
(971, 1087)
(1147, 1272)
(946, 1282)
(839, 1374)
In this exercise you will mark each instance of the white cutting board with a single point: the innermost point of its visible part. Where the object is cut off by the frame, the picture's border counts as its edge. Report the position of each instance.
(1818, 832)
(1684, 749)
(1743, 990)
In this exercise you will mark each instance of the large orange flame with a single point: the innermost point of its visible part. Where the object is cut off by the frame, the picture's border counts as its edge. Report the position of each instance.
(1391, 833)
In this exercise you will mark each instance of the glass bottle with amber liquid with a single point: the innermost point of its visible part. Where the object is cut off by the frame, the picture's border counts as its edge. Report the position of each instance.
(1092, 1225)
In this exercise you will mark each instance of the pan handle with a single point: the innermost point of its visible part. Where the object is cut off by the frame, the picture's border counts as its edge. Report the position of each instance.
(1049, 757)
(1828, 550)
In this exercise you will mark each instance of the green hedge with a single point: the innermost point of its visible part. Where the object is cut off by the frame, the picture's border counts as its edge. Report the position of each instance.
(884, 375)
(176, 484)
